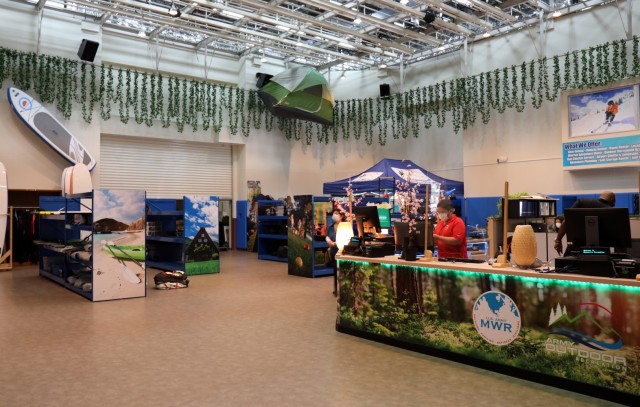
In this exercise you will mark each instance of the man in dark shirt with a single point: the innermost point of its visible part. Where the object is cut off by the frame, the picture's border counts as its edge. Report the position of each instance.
(607, 200)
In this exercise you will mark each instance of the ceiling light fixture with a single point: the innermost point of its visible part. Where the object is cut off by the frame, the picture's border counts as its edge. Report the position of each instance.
(142, 34)
(299, 41)
(556, 14)
(357, 20)
(486, 35)
(173, 10)
(404, 2)
(382, 65)
(343, 76)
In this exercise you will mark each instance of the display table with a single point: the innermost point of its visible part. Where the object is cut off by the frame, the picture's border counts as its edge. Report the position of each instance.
(576, 332)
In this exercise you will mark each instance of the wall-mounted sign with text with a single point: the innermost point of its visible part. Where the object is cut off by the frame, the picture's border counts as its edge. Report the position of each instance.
(603, 152)
(603, 128)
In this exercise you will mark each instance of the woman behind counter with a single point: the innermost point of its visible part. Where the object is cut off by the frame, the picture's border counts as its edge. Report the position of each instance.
(450, 233)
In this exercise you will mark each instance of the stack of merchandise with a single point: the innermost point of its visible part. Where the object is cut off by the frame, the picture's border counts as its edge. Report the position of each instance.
(167, 280)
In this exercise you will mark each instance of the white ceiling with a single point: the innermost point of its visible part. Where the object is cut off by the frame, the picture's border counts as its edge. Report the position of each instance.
(348, 34)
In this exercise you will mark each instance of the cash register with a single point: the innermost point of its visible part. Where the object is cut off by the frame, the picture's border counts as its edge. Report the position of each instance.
(370, 242)
(593, 233)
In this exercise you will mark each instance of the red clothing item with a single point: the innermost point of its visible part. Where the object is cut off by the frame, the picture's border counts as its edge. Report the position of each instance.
(453, 227)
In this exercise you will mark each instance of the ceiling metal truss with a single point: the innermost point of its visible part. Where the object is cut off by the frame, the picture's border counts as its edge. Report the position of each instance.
(349, 34)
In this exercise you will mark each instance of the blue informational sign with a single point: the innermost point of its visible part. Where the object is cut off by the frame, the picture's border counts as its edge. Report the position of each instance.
(601, 152)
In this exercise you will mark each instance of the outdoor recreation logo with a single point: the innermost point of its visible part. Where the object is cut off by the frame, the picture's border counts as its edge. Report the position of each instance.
(560, 317)
(587, 328)
(496, 318)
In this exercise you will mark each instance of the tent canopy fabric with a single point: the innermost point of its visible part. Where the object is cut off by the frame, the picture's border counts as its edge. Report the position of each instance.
(299, 93)
(383, 176)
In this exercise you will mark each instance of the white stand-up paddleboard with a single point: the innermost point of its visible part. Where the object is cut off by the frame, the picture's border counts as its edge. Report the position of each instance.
(76, 180)
(48, 128)
(4, 206)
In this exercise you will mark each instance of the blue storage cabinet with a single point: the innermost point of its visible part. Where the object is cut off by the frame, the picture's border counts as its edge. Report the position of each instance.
(272, 230)
(58, 229)
(318, 268)
(242, 212)
(165, 234)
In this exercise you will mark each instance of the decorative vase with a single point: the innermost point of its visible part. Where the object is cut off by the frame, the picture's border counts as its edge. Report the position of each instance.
(524, 248)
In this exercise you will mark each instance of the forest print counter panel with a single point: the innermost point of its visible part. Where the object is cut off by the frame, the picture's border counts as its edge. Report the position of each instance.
(584, 332)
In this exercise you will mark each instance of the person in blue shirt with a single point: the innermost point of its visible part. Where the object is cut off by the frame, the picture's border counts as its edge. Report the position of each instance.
(337, 217)
(607, 200)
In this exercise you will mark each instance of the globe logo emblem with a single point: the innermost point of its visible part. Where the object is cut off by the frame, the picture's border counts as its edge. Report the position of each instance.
(496, 318)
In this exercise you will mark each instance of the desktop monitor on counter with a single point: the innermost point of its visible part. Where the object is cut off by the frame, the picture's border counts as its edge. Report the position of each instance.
(424, 234)
(384, 215)
(598, 227)
(367, 220)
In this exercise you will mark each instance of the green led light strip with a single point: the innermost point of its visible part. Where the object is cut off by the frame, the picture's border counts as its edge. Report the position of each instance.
(538, 280)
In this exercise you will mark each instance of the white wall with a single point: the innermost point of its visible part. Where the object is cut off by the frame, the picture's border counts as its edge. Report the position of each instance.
(530, 139)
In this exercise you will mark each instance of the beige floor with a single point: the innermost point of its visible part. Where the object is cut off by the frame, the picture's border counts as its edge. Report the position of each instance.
(251, 336)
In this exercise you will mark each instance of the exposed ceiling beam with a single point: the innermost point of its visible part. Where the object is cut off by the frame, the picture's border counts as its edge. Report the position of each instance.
(323, 25)
(224, 26)
(326, 5)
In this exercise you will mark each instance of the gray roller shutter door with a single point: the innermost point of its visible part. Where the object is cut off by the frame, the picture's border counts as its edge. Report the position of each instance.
(165, 168)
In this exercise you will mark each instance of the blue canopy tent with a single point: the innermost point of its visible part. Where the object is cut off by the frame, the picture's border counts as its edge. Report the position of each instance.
(382, 178)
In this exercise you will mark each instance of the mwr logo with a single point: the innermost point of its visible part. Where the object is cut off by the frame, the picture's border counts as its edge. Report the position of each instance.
(496, 318)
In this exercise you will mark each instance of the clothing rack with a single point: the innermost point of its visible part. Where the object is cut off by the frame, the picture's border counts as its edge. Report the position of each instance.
(6, 261)
(8, 257)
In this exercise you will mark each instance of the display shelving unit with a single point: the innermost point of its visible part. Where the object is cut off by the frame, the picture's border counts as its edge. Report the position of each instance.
(57, 232)
(307, 225)
(272, 229)
(79, 243)
(318, 268)
(177, 236)
(165, 234)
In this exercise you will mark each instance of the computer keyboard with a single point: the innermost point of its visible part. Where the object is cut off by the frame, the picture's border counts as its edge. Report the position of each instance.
(460, 260)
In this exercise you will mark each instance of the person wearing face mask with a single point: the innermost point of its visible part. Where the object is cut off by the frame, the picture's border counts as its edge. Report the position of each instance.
(450, 233)
(337, 217)
(558, 223)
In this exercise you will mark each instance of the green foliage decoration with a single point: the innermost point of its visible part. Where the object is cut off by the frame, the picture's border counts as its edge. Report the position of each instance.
(157, 99)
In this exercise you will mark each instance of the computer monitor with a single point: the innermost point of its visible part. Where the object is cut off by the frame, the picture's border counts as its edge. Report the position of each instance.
(401, 230)
(598, 227)
(384, 215)
(367, 220)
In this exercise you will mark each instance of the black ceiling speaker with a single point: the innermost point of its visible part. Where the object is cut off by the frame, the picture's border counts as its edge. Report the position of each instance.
(385, 91)
(429, 17)
(87, 50)
(263, 79)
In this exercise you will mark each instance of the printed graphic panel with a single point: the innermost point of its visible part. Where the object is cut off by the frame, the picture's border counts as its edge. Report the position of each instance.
(584, 332)
(609, 111)
(202, 234)
(300, 228)
(118, 244)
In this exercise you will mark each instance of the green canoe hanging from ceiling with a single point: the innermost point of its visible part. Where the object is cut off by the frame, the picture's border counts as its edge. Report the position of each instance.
(299, 93)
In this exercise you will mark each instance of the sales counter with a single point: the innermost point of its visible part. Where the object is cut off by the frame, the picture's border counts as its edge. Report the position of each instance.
(576, 332)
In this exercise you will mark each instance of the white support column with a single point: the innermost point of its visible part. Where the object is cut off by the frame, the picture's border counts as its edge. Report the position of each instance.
(401, 73)
(40, 16)
(465, 58)
(157, 61)
(629, 30)
(542, 51)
